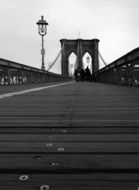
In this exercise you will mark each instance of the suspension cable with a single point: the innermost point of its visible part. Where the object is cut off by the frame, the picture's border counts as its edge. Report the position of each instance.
(102, 58)
(76, 58)
(55, 59)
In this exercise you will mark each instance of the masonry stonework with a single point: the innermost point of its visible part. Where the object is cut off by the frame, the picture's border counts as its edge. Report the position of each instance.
(79, 47)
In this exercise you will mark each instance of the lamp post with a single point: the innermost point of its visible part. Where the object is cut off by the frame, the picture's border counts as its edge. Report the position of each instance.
(42, 30)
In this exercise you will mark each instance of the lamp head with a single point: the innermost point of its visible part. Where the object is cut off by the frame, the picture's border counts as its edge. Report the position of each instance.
(42, 26)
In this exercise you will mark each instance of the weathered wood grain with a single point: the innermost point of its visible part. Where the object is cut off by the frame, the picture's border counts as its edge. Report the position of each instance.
(82, 104)
(69, 162)
(80, 136)
(70, 147)
(70, 130)
(69, 138)
(95, 181)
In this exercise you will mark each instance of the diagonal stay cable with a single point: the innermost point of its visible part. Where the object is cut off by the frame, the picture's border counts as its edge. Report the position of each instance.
(55, 59)
(102, 58)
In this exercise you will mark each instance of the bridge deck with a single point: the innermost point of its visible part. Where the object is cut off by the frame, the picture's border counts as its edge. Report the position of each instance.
(78, 136)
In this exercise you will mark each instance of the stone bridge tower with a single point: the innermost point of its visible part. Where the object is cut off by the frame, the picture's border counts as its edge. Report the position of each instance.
(79, 47)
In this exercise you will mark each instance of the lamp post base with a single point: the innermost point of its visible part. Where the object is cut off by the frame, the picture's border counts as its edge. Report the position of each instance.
(43, 67)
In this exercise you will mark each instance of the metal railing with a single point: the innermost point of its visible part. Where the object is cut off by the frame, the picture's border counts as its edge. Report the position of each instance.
(124, 71)
(12, 73)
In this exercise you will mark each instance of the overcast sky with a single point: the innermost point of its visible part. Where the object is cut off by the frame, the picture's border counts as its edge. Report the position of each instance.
(114, 22)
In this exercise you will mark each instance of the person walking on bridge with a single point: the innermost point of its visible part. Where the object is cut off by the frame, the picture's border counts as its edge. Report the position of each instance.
(82, 74)
(77, 74)
(87, 74)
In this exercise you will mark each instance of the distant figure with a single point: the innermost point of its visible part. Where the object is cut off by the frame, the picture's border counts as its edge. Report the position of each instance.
(77, 74)
(82, 74)
(87, 74)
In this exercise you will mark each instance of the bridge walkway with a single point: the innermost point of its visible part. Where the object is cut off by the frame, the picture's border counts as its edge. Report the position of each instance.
(70, 136)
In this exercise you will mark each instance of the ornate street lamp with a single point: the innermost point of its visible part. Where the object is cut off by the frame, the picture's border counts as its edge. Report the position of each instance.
(42, 30)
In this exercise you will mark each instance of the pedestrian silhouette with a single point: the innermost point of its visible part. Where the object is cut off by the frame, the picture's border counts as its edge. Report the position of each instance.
(82, 74)
(87, 74)
(77, 74)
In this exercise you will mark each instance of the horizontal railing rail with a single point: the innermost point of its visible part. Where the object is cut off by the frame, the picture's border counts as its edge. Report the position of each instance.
(124, 70)
(15, 73)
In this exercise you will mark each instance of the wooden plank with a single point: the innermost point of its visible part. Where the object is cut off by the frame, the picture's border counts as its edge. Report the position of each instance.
(70, 181)
(65, 121)
(68, 162)
(81, 136)
(70, 130)
(17, 87)
(79, 112)
(73, 105)
(94, 186)
(74, 186)
(70, 147)
(69, 137)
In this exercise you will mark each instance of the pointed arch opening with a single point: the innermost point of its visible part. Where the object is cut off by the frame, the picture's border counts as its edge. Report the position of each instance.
(71, 63)
(87, 61)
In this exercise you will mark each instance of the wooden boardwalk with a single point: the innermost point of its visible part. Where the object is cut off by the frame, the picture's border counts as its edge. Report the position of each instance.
(79, 136)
